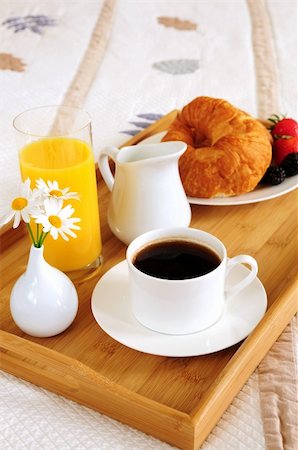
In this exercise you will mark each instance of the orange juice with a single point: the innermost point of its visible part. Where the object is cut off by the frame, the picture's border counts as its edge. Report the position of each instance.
(70, 162)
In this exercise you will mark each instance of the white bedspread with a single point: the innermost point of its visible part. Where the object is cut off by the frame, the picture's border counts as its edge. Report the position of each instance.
(152, 64)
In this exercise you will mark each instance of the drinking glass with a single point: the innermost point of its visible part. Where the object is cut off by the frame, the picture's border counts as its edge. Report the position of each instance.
(55, 144)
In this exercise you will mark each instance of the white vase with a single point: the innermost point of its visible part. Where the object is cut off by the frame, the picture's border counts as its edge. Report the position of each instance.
(44, 301)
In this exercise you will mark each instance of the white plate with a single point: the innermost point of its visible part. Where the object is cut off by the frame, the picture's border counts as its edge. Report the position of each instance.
(260, 194)
(111, 308)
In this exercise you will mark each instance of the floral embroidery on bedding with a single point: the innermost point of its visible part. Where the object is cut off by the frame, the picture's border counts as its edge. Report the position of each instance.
(34, 23)
(177, 66)
(11, 62)
(141, 125)
(150, 116)
(178, 24)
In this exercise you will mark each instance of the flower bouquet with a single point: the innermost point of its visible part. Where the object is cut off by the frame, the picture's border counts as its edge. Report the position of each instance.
(45, 205)
(44, 301)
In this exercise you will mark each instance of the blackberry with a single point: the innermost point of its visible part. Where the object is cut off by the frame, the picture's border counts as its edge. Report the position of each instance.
(274, 175)
(290, 164)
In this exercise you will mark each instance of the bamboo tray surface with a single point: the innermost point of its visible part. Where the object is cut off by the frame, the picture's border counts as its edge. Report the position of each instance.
(178, 400)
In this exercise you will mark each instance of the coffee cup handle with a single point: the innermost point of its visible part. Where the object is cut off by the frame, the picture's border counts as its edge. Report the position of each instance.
(104, 167)
(232, 262)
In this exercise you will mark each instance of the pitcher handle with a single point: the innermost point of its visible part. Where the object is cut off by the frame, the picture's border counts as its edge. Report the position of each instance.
(104, 167)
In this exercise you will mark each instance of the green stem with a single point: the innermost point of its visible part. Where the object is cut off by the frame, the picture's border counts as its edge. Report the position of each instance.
(42, 238)
(37, 232)
(31, 234)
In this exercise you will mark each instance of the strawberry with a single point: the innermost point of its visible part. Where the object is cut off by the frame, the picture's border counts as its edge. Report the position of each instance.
(283, 147)
(283, 127)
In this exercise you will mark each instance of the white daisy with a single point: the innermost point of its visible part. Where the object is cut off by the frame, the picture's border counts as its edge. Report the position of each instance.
(51, 189)
(21, 205)
(57, 220)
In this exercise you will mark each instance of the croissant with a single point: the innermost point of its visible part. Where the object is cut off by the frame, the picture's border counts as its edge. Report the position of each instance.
(228, 151)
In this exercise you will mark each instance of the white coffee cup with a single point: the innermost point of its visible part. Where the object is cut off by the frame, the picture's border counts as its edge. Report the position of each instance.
(183, 306)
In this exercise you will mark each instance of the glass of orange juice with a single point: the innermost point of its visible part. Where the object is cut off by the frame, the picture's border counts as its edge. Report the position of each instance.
(55, 144)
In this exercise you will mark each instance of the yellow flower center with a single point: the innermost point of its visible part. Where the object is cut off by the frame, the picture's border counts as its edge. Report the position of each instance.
(55, 193)
(19, 203)
(55, 221)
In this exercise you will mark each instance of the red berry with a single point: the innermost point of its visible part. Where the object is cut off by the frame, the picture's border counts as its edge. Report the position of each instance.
(286, 127)
(283, 147)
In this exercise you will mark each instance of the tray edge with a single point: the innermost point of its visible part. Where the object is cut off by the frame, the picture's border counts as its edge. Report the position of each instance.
(243, 363)
(77, 382)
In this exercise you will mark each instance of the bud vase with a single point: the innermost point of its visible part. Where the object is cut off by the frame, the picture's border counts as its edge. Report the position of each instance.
(44, 301)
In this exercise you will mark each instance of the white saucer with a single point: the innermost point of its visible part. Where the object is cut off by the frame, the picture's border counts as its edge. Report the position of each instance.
(261, 193)
(111, 308)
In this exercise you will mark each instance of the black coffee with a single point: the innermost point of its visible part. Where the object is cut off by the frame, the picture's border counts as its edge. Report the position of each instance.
(176, 259)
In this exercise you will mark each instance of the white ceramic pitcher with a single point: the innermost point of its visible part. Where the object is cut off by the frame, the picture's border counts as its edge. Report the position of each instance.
(147, 192)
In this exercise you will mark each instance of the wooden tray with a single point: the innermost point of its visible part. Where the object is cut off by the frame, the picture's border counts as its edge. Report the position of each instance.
(178, 400)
